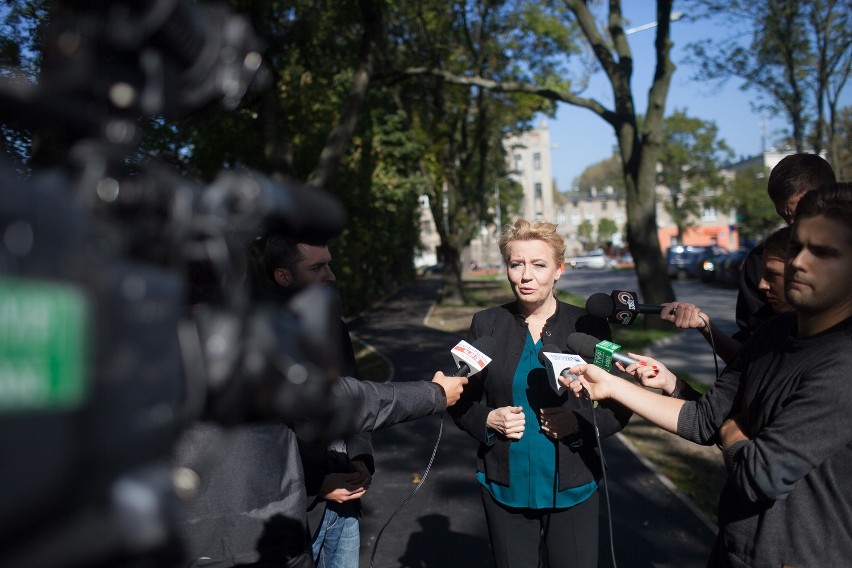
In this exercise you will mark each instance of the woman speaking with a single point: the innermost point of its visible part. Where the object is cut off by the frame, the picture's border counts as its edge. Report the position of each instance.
(537, 462)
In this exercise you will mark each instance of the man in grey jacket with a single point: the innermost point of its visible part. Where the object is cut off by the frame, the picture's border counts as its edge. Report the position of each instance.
(250, 502)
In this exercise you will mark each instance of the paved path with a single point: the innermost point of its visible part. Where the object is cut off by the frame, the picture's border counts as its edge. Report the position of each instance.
(443, 525)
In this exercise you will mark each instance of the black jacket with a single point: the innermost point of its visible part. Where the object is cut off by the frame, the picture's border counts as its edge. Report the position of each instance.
(578, 463)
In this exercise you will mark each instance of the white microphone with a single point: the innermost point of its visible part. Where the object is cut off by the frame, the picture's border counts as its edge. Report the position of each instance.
(471, 359)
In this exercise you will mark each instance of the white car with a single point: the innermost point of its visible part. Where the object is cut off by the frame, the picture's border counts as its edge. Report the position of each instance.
(592, 259)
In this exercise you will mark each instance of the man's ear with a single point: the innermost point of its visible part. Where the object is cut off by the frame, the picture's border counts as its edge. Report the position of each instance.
(283, 277)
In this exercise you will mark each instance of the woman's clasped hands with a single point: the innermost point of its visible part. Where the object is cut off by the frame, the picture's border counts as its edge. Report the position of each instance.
(508, 421)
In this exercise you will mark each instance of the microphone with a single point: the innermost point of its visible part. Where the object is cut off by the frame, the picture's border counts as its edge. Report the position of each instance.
(471, 359)
(558, 363)
(619, 307)
(602, 353)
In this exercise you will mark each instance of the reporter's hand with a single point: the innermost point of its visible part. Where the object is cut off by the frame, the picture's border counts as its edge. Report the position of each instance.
(685, 316)
(341, 487)
(453, 386)
(651, 373)
(598, 382)
(508, 421)
(558, 422)
(360, 469)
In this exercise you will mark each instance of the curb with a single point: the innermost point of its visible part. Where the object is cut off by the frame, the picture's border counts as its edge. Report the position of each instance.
(669, 484)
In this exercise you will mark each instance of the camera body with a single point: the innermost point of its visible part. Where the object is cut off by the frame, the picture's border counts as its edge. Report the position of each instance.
(126, 313)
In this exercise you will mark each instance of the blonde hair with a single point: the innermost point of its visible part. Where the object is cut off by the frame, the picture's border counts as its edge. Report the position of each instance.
(524, 230)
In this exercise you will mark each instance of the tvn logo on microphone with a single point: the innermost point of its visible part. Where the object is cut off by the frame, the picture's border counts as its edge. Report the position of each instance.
(625, 307)
(464, 352)
(603, 354)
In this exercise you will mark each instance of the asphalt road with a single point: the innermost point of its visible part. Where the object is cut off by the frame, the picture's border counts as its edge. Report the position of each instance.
(442, 525)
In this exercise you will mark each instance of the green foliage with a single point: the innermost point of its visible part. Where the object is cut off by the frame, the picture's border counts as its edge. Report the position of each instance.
(22, 23)
(756, 216)
(585, 232)
(689, 162)
(600, 175)
(606, 229)
(796, 61)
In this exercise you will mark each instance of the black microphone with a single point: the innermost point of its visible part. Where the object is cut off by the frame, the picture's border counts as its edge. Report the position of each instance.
(619, 307)
(601, 353)
(472, 358)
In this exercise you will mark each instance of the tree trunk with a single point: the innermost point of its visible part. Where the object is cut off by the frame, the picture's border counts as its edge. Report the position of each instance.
(452, 289)
(651, 271)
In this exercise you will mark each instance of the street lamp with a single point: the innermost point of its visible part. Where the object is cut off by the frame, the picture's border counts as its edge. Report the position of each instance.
(674, 17)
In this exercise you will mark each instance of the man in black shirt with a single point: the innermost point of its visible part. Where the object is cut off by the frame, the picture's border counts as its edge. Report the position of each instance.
(790, 179)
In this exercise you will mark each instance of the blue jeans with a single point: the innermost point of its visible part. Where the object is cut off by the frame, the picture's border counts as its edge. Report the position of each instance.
(337, 542)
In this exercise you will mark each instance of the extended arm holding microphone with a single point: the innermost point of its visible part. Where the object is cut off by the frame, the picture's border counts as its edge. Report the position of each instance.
(620, 307)
(650, 372)
(656, 408)
(690, 316)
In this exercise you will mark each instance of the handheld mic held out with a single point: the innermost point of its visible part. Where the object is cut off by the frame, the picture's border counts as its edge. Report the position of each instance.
(619, 307)
(557, 364)
(471, 359)
(602, 353)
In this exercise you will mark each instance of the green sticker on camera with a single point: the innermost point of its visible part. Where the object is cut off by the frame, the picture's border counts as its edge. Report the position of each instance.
(43, 345)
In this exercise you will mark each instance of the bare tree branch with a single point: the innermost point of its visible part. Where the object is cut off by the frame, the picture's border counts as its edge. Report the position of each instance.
(513, 87)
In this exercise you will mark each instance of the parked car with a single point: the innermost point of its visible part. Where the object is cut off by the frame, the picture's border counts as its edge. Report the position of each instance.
(592, 259)
(730, 267)
(708, 265)
(684, 260)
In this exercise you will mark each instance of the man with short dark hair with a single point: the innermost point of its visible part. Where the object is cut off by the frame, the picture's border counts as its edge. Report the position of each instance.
(339, 473)
(789, 180)
(781, 411)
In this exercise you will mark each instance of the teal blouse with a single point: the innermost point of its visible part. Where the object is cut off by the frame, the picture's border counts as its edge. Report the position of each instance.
(533, 477)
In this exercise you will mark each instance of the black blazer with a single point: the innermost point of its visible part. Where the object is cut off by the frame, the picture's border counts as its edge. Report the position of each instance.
(578, 461)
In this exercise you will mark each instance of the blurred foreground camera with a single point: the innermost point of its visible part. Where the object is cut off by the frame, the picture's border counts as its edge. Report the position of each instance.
(125, 308)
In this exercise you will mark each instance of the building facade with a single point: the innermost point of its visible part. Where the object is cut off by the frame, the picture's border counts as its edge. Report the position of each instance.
(529, 161)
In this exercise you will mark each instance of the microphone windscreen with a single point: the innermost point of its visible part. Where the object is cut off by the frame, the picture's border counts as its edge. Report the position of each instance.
(486, 345)
(582, 344)
(549, 348)
(600, 305)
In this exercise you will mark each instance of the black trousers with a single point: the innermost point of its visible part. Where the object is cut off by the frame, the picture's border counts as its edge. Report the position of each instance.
(542, 538)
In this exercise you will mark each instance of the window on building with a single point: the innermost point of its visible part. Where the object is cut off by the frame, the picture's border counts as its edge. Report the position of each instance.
(538, 190)
(708, 213)
(604, 205)
(537, 161)
(519, 163)
(575, 219)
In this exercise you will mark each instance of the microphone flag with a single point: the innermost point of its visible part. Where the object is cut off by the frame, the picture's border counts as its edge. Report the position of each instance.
(465, 353)
(558, 362)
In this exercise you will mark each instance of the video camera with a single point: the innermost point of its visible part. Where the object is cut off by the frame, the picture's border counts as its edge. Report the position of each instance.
(125, 309)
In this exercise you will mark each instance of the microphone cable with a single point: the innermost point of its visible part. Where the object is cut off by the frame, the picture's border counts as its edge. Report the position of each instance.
(605, 484)
(411, 496)
(712, 345)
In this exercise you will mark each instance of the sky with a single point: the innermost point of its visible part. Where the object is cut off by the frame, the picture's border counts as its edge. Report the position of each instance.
(580, 138)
